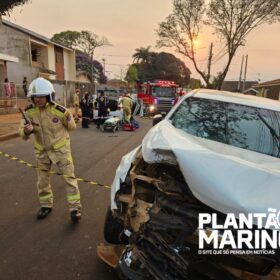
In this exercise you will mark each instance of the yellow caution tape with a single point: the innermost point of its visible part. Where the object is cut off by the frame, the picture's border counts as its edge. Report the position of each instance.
(52, 172)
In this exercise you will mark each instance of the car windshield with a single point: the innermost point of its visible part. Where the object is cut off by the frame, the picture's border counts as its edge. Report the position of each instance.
(246, 127)
(164, 92)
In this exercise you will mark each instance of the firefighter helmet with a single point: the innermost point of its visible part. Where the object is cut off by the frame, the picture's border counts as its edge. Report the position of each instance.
(40, 87)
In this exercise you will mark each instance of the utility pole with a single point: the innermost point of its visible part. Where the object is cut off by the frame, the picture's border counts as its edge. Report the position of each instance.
(92, 75)
(240, 76)
(259, 78)
(209, 61)
(245, 72)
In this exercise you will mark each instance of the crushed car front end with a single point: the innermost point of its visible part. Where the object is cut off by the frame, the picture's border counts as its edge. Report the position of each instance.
(161, 188)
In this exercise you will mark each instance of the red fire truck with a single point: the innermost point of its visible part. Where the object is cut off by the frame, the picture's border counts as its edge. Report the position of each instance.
(158, 96)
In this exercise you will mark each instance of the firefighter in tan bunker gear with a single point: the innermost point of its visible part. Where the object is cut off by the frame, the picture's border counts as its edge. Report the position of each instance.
(127, 104)
(50, 123)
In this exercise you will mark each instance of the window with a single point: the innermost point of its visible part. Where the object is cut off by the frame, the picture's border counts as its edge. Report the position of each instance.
(164, 92)
(246, 127)
(35, 53)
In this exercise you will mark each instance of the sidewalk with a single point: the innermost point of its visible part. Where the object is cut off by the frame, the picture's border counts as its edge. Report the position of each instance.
(9, 125)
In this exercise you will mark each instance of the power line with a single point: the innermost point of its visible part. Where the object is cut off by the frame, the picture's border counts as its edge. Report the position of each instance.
(114, 64)
(116, 55)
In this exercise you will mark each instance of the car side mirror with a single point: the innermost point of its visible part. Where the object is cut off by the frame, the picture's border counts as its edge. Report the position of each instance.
(157, 118)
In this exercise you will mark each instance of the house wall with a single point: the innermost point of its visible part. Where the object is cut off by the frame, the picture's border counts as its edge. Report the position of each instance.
(82, 78)
(44, 57)
(69, 65)
(51, 57)
(60, 93)
(272, 92)
(15, 43)
(3, 71)
(64, 91)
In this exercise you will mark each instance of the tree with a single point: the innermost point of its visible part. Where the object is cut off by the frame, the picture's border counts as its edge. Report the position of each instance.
(143, 58)
(232, 21)
(132, 75)
(194, 83)
(67, 38)
(89, 41)
(7, 5)
(167, 67)
(142, 55)
(85, 63)
(164, 66)
(84, 41)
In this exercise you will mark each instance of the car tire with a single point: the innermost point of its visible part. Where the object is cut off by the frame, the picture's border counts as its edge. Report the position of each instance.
(113, 230)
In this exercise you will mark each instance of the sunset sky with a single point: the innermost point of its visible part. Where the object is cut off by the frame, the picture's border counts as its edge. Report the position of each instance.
(130, 24)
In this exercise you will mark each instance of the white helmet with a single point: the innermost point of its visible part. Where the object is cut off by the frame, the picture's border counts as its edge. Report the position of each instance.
(40, 87)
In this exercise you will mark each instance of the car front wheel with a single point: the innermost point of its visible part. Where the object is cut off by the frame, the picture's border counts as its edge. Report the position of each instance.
(113, 230)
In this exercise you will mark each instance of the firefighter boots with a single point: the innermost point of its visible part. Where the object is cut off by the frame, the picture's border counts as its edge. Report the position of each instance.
(75, 216)
(43, 212)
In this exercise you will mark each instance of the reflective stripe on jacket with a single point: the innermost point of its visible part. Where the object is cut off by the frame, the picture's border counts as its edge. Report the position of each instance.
(51, 126)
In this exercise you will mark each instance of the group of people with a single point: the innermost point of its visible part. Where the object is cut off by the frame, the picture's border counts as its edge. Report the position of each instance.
(9, 87)
(88, 105)
(101, 103)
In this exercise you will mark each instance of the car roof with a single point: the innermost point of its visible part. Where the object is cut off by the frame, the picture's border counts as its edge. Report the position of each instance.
(236, 98)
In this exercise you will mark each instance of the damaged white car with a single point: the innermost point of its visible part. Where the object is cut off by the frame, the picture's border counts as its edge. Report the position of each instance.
(215, 152)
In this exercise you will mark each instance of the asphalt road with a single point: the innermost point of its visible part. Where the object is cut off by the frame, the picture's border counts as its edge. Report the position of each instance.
(54, 248)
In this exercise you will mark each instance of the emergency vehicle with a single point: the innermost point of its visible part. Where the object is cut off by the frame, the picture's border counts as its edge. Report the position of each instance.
(158, 96)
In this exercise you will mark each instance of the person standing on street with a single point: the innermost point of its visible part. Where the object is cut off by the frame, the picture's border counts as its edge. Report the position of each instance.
(50, 123)
(86, 106)
(102, 103)
(127, 104)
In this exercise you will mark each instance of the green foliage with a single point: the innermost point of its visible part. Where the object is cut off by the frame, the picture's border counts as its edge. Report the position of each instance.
(154, 66)
(195, 83)
(85, 41)
(131, 75)
(89, 41)
(68, 38)
(7, 5)
(93, 68)
(142, 55)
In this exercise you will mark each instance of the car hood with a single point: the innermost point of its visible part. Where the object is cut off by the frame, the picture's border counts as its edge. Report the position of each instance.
(226, 178)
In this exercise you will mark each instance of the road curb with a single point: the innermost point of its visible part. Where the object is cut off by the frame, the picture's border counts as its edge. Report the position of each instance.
(9, 136)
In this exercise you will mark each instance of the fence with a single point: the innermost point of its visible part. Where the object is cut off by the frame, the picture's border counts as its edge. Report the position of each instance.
(13, 96)
(64, 91)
